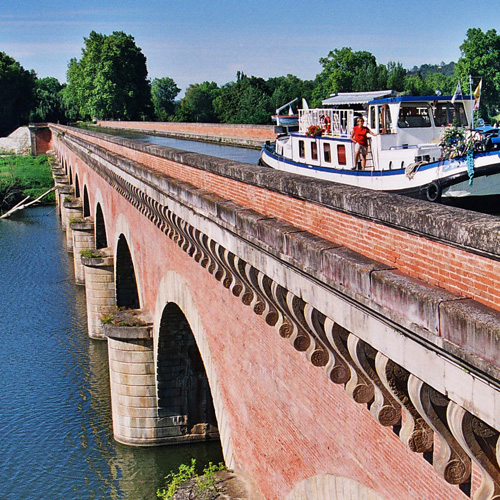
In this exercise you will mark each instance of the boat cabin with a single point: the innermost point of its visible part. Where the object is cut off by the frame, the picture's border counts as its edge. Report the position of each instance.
(408, 128)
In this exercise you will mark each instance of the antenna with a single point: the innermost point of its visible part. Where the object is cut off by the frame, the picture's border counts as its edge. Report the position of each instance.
(470, 89)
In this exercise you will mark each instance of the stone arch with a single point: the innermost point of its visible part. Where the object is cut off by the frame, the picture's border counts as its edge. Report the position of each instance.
(70, 176)
(77, 187)
(173, 290)
(182, 384)
(330, 487)
(101, 240)
(125, 281)
(86, 202)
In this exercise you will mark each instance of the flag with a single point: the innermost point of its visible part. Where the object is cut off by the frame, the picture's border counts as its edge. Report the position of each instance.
(457, 94)
(477, 95)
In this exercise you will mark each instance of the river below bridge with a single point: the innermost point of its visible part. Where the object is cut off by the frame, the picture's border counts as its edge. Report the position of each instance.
(55, 416)
(55, 409)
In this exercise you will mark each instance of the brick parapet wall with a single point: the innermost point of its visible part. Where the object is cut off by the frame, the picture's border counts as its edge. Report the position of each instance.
(463, 328)
(250, 135)
(40, 137)
(451, 248)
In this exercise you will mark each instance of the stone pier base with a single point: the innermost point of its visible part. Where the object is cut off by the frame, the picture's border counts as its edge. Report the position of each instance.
(99, 290)
(83, 239)
(70, 210)
(136, 419)
(63, 191)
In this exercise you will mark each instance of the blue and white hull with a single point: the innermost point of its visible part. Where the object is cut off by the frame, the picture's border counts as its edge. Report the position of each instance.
(412, 148)
(447, 180)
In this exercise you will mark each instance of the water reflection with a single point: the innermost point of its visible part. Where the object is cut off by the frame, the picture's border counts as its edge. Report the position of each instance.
(55, 415)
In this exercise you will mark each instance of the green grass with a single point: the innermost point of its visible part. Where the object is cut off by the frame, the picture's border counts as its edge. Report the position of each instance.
(21, 176)
(204, 488)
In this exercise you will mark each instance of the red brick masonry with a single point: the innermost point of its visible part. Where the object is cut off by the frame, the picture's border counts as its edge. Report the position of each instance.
(447, 263)
(244, 134)
(288, 422)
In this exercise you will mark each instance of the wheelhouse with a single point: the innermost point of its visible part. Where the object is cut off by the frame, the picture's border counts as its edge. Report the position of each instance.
(408, 129)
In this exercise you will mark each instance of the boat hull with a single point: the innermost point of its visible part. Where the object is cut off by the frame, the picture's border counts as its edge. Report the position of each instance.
(446, 181)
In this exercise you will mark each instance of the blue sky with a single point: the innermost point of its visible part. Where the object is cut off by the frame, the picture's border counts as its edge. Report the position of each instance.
(193, 41)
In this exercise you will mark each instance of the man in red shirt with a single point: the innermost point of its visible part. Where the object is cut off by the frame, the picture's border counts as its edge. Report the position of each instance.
(359, 136)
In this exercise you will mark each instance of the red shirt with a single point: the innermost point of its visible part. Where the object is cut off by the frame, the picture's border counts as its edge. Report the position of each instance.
(359, 135)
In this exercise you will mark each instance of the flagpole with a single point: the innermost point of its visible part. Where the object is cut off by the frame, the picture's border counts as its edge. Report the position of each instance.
(470, 89)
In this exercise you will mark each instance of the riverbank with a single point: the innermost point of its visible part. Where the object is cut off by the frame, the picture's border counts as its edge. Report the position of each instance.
(22, 176)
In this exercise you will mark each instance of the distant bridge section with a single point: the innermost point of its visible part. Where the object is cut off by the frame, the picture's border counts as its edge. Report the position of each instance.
(232, 134)
(342, 343)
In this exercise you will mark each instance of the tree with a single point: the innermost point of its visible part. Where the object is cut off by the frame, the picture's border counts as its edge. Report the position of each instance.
(17, 94)
(110, 80)
(344, 71)
(439, 81)
(72, 95)
(197, 104)
(163, 94)
(285, 88)
(415, 85)
(481, 59)
(243, 101)
(396, 76)
(48, 101)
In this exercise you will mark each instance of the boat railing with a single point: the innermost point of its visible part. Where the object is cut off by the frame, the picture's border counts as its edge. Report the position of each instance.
(333, 122)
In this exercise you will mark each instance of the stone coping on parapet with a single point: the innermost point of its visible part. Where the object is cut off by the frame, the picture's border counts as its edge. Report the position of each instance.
(475, 232)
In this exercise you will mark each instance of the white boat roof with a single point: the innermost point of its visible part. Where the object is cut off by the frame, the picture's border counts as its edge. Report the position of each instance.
(343, 98)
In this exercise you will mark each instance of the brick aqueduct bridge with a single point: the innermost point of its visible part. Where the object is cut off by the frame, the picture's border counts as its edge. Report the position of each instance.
(342, 344)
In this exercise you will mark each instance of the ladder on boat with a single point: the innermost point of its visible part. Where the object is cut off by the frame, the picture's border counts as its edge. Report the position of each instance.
(369, 157)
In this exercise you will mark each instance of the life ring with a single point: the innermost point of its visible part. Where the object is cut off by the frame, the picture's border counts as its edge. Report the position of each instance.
(326, 124)
(433, 191)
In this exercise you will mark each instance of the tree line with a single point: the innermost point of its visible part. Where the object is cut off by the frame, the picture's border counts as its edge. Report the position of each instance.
(110, 81)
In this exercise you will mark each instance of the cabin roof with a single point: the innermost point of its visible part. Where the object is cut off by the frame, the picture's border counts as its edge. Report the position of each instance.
(343, 98)
(420, 98)
(383, 97)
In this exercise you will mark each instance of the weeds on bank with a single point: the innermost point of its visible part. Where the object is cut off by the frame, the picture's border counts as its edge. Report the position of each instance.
(204, 487)
(90, 254)
(21, 176)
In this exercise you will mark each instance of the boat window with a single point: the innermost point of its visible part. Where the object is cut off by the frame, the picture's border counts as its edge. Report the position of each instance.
(341, 154)
(314, 150)
(327, 153)
(373, 121)
(414, 116)
(446, 113)
(302, 149)
(385, 119)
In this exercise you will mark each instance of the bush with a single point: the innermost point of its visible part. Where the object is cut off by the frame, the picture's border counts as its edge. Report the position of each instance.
(204, 486)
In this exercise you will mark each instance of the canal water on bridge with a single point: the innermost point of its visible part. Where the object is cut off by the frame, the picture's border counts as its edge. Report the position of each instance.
(244, 155)
(55, 420)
